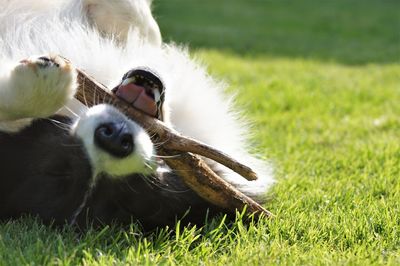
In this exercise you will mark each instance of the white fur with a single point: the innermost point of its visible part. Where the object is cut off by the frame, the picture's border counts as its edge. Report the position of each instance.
(115, 17)
(195, 103)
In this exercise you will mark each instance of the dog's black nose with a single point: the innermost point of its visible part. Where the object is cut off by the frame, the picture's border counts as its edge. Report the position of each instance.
(115, 138)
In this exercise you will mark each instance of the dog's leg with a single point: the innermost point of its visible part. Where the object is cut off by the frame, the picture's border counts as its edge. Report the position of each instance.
(34, 88)
(118, 17)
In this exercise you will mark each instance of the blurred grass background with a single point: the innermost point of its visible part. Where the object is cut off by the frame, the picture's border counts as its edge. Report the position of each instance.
(343, 31)
(321, 82)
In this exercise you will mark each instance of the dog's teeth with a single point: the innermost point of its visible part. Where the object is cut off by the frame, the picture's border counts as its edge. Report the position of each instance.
(128, 80)
(157, 95)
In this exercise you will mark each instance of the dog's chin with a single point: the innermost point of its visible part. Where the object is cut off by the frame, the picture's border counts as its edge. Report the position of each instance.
(106, 159)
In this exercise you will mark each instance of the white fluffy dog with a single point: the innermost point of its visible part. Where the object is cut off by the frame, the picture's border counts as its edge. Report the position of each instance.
(49, 163)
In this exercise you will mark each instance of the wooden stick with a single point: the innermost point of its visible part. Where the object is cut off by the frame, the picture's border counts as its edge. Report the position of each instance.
(202, 179)
(192, 169)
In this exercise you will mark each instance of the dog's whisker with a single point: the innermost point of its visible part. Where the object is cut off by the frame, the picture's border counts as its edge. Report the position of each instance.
(59, 124)
(71, 111)
(84, 94)
(156, 182)
(163, 157)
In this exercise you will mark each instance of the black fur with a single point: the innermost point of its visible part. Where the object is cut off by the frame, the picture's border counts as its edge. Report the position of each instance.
(45, 172)
(134, 198)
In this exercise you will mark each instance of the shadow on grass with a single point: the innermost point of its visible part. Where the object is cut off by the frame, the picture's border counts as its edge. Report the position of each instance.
(344, 31)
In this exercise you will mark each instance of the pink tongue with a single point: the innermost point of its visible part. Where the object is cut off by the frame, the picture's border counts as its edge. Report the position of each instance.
(136, 95)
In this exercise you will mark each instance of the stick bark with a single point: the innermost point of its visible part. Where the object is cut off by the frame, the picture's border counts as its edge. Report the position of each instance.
(179, 153)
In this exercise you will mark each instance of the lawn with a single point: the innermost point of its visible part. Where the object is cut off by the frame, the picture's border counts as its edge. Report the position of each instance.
(320, 80)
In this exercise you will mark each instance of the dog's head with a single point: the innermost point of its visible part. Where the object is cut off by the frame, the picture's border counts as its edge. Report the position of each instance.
(116, 145)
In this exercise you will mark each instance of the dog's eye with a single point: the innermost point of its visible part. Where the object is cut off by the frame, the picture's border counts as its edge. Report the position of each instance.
(46, 62)
(44, 58)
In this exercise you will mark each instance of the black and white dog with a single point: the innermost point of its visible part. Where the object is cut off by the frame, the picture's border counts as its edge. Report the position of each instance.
(66, 163)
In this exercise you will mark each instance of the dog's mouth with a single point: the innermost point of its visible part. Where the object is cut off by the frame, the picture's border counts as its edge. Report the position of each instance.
(147, 79)
(144, 90)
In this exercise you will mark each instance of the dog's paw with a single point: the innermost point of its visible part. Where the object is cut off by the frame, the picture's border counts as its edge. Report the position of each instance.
(143, 89)
(38, 87)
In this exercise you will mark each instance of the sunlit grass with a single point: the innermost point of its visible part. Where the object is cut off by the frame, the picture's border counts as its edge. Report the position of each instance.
(321, 84)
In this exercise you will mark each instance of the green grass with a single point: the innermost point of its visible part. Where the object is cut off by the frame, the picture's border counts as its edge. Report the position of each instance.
(345, 31)
(321, 82)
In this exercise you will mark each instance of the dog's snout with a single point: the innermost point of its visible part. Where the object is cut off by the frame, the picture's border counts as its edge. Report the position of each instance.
(115, 138)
